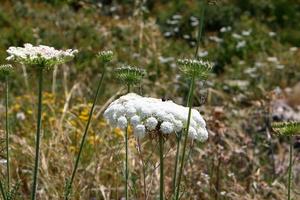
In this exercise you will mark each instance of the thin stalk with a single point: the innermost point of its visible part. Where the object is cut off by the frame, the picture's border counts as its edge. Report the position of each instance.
(200, 28)
(7, 134)
(161, 166)
(2, 191)
(290, 168)
(143, 166)
(190, 103)
(176, 165)
(128, 88)
(69, 185)
(126, 163)
(38, 132)
(126, 156)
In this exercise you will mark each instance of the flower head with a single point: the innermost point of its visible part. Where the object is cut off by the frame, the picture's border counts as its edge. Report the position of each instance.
(5, 70)
(130, 75)
(41, 55)
(105, 56)
(286, 128)
(151, 115)
(196, 68)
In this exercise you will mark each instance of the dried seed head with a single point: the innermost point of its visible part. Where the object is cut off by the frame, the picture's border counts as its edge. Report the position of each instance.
(105, 56)
(130, 75)
(286, 128)
(6, 70)
(197, 68)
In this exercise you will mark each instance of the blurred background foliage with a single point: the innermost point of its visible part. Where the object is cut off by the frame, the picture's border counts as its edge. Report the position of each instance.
(253, 45)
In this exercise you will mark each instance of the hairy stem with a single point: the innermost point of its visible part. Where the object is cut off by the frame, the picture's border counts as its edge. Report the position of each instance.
(69, 185)
(7, 134)
(38, 132)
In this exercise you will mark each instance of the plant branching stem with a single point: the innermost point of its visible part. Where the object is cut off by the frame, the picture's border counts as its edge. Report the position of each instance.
(290, 168)
(7, 134)
(38, 132)
(69, 185)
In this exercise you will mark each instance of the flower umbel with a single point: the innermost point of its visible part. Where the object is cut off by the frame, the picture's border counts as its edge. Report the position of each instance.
(6, 70)
(130, 75)
(149, 114)
(286, 128)
(105, 56)
(196, 68)
(39, 55)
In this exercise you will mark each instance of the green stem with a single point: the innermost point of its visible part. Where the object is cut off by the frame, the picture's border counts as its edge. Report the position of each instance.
(128, 88)
(69, 185)
(290, 168)
(161, 166)
(126, 163)
(126, 156)
(176, 164)
(7, 134)
(38, 133)
(190, 103)
(200, 28)
(2, 191)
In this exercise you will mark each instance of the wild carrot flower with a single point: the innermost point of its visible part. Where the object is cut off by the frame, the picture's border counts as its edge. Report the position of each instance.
(5, 70)
(193, 67)
(288, 129)
(150, 115)
(146, 114)
(41, 57)
(130, 76)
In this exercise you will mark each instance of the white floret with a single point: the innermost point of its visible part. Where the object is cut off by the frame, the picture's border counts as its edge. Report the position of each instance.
(140, 131)
(151, 123)
(122, 122)
(135, 120)
(167, 127)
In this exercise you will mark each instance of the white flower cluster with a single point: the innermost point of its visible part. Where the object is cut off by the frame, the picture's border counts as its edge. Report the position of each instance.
(146, 114)
(36, 55)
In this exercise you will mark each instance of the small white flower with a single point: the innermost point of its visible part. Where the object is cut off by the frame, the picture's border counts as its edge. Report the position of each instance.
(272, 34)
(241, 44)
(151, 123)
(122, 122)
(140, 131)
(178, 126)
(21, 116)
(130, 111)
(167, 127)
(247, 33)
(135, 120)
(236, 36)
